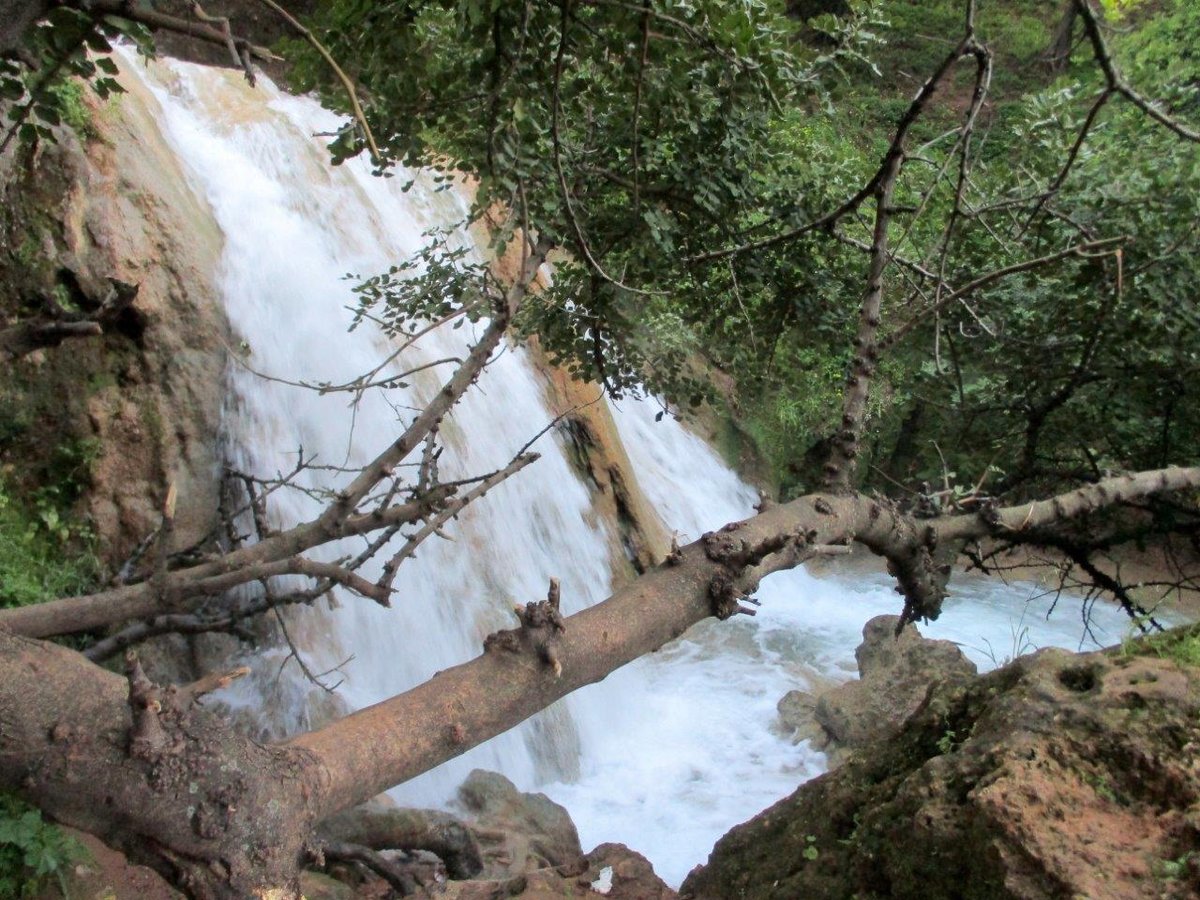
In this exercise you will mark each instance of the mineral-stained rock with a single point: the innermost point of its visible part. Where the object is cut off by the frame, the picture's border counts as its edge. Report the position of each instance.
(519, 832)
(1057, 776)
(895, 675)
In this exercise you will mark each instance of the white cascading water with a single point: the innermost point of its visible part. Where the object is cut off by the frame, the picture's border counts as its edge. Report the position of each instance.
(666, 754)
(695, 747)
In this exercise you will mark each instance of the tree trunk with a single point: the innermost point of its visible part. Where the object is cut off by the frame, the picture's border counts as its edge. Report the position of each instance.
(153, 774)
(157, 776)
(1058, 54)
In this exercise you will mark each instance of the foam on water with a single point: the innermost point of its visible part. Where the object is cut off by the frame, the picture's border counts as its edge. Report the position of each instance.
(694, 749)
(666, 754)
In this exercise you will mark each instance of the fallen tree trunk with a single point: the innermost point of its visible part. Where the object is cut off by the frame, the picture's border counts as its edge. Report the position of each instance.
(157, 776)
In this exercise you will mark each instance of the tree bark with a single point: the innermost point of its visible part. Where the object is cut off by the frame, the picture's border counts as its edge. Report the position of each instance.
(159, 777)
(153, 775)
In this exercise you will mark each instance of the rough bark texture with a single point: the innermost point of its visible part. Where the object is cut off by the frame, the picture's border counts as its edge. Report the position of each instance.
(152, 774)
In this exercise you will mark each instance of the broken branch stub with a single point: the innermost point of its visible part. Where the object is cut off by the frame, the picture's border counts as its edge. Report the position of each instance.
(541, 624)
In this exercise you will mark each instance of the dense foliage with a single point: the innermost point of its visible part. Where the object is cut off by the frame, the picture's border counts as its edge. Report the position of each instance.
(646, 139)
(68, 44)
(678, 152)
(632, 135)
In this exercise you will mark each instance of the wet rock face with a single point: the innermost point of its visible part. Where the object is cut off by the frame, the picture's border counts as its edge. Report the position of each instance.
(519, 832)
(139, 406)
(1057, 776)
(895, 672)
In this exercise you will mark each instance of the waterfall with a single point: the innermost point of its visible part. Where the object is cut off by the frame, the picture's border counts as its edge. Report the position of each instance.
(294, 227)
(664, 755)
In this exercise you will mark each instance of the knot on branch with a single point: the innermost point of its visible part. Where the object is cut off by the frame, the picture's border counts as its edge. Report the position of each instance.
(541, 625)
(989, 512)
(149, 737)
(921, 581)
(735, 555)
(725, 596)
(722, 547)
(927, 505)
(159, 713)
(738, 553)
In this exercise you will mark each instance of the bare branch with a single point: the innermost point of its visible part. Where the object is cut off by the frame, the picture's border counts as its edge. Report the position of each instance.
(1104, 244)
(1118, 84)
(451, 391)
(24, 338)
(351, 93)
(191, 28)
(448, 512)
(840, 467)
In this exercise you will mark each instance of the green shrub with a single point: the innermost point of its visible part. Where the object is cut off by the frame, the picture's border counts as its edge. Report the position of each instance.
(44, 553)
(32, 851)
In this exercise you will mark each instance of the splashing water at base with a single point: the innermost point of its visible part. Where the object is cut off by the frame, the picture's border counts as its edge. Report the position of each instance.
(694, 748)
(666, 754)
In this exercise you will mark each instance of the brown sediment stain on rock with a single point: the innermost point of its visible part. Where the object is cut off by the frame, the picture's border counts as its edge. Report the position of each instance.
(595, 448)
(641, 539)
(145, 397)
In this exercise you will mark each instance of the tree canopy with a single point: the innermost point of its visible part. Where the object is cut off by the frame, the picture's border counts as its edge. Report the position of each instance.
(693, 160)
(955, 261)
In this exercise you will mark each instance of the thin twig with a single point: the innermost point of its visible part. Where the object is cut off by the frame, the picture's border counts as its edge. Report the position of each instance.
(359, 116)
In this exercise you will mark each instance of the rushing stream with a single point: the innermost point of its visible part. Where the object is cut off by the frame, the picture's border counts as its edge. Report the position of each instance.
(666, 754)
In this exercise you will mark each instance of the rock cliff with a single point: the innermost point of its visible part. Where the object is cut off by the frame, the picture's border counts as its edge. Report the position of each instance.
(108, 200)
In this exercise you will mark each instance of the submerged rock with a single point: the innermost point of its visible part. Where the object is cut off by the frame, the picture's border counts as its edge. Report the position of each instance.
(1059, 775)
(895, 672)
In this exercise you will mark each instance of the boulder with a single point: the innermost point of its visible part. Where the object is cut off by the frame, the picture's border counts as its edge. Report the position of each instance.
(895, 672)
(797, 717)
(611, 871)
(1060, 775)
(619, 873)
(383, 826)
(518, 832)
